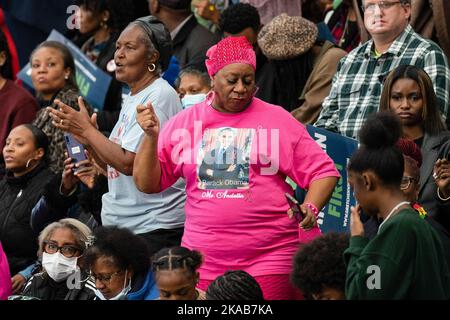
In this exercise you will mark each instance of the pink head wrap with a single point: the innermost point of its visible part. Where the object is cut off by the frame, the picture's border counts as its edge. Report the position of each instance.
(227, 51)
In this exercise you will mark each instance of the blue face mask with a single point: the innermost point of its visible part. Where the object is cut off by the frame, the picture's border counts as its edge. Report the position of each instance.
(191, 99)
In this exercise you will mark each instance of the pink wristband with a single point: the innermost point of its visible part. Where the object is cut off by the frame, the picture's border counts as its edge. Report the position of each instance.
(313, 208)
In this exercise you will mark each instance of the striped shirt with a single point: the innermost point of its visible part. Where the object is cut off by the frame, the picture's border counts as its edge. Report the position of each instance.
(358, 83)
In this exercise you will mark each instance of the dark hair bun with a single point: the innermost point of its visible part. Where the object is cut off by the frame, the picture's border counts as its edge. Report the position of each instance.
(380, 130)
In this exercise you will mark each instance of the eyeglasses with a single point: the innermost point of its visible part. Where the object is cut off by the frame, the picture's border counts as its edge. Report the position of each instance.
(383, 5)
(67, 251)
(406, 182)
(104, 279)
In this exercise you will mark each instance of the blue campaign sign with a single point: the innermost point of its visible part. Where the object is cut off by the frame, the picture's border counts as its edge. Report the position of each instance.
(335, 216)
(92, 81)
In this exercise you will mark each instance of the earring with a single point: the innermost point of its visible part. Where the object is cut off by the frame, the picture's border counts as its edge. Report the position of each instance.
(66, 77)
(104, 24)
(28, 163)
(151, 67)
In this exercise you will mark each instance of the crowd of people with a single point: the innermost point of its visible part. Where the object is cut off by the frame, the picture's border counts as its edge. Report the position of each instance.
(176, 189)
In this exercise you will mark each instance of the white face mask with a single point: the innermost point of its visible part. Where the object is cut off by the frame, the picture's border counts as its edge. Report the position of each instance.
(191, 99)
(121, 295)
(59, 267)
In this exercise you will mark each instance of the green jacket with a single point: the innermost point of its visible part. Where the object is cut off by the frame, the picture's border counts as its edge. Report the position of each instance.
(410, 258)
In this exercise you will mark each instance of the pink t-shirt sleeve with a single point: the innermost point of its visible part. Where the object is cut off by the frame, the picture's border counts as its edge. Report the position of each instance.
(308, 162)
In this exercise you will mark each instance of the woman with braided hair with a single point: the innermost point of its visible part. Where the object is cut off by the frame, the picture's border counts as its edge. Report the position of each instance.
(234, 285)
(176, 274)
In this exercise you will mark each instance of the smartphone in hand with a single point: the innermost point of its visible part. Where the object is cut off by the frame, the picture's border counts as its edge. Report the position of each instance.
(295, 206)
(75, 149)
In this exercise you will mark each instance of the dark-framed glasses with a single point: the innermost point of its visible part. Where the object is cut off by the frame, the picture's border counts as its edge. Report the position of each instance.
(105, 279)
(68, 251)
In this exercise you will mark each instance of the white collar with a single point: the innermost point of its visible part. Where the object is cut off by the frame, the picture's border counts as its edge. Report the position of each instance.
(175, 31)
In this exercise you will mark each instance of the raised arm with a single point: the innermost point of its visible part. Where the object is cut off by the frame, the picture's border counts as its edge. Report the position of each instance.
(147, 169)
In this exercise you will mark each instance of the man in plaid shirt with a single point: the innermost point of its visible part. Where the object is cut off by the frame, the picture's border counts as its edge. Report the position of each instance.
(357, 85)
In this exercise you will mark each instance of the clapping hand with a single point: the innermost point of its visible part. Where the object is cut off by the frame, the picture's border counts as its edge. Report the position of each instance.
(75, 122)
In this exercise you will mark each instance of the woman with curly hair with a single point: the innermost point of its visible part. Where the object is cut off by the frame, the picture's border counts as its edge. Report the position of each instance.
(119, 265)
(319, 269)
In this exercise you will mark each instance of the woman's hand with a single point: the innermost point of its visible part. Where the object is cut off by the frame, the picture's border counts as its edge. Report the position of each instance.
(69, 180)
(86, 173)
(148, 120)
(83, 171)
(309, 218)
(441, 174)
(356, 226)
(18, 282)
(75, 122)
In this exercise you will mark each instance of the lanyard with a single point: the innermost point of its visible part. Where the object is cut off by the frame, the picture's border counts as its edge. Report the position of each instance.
(390, 213)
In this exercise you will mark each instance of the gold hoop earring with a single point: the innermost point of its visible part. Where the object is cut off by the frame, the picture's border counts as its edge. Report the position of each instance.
(104, 24)
(151, 67)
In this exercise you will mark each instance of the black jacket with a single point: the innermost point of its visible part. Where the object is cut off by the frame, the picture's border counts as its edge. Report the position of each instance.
(17, 197)
(191, 43)
(41, 286)
(433, 148)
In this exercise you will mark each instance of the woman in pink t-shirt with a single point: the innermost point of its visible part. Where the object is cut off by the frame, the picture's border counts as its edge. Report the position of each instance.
(234, 152)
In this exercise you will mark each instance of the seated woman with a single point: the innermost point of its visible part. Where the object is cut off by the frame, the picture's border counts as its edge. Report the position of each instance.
(27, 173)
(61, 197)
(405, 259)
(234, 285)
(18, 106)
(53, 76)
(119, 265)
(61, 247)
(176, 273)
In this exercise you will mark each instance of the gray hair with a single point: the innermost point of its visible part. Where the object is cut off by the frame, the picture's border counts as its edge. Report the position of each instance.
(145, 39)
(204, 77)
(81, 232)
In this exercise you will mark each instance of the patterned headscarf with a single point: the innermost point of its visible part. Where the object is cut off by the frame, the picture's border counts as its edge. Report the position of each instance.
(228, 51)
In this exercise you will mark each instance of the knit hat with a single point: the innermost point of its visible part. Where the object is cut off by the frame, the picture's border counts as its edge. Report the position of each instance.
(176, 4)
(227, 51)
(287, 37)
